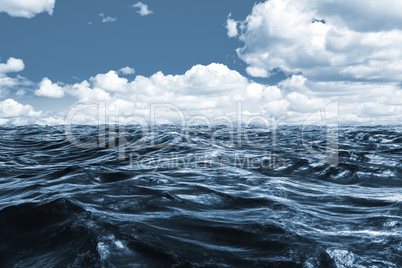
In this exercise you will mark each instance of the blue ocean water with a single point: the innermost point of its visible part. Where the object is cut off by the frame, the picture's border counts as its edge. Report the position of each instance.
(216, 198)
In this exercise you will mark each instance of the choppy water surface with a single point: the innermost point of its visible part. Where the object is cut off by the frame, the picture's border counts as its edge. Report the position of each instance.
(178, 201)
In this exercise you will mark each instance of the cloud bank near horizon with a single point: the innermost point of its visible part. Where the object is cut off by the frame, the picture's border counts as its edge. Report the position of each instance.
(214, 90)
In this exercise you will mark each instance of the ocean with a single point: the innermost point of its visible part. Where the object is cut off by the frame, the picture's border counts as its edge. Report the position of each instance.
(249, 197)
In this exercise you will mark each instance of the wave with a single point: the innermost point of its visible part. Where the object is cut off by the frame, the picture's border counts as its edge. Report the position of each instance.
(215, 198)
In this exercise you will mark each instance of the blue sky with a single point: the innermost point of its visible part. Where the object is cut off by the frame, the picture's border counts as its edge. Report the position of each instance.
(178, 35)
(282, 59)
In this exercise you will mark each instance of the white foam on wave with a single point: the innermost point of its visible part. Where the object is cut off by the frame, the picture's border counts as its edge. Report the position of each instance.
(344, 258)
(205, 199)
(392, 224)
(347, 259)
(119, 244)
(103, 250)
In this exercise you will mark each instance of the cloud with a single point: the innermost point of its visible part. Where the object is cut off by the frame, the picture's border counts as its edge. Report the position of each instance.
(84, 92)
(231, 26)
(26, 8)
(143, 9)
(212, 90)
(127, 71)
(257, 72)
(10, 108)
(324, 40)
(212, 80)
(361, 15)
(107, 19)
(330, 50)
(13, 65)
(9, 83)
(110, 82)
(20, 93)
(13, 112)
(215, 90)
(49, 89)
(204, 90)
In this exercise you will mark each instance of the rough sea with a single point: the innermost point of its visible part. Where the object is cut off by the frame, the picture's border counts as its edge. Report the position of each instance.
(206, 198)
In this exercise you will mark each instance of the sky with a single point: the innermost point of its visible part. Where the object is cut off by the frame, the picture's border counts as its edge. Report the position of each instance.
(282, 59)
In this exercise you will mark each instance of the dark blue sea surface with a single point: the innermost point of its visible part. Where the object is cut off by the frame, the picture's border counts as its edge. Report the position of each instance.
(217, 198)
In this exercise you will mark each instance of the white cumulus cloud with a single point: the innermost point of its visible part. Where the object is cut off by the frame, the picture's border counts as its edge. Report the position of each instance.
(109, 19)
(15, 113)
(324, 40)
(347, 51)
(143, 9)
(231, 26)
(213, 90)
(10, 108)
(204, 90)
(8, 83)
(49, 89)
(110, 82)
(13, 65)
(127, 70)
(26, 8)
(106, 19)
